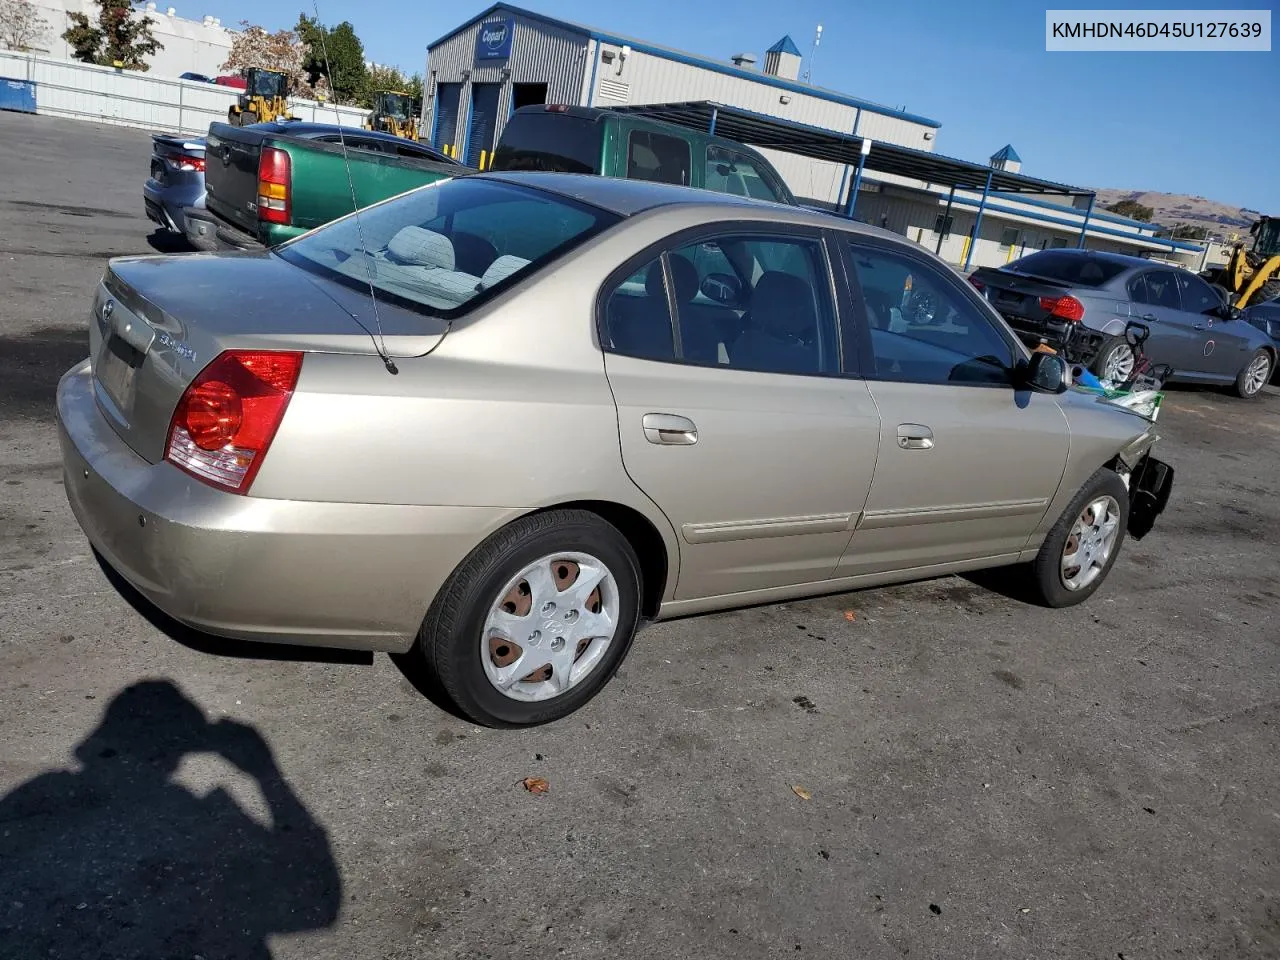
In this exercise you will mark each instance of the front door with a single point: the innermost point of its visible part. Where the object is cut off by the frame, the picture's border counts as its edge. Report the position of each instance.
(1225, 349)
(735, 419)
(968, 465)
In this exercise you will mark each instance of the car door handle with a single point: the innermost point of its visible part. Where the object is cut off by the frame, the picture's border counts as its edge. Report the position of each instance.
(1150, 318)
(669, 429)
(1198, 326)
(915, 436)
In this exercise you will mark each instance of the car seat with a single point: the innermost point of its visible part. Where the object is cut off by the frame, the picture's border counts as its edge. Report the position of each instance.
(781, 327)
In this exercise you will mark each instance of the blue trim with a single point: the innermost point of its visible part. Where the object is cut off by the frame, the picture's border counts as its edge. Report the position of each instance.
(595, 64)
(679, 56)
(1112, 217)
(1075, 224)
(977, 222)
(1084, 224)
(1007, 153)
(785, 45)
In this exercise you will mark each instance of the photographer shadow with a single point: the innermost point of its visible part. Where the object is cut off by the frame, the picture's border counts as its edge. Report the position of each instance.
(118, 859)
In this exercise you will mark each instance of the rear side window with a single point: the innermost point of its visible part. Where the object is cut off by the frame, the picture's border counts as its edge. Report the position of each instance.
(554, 142)
(658, 157)
(731, 172)
(1162, 289)
(1079, 270)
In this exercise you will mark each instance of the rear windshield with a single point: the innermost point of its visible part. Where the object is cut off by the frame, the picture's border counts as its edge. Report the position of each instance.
(556, 142)
(449, 243)
(1077, 269)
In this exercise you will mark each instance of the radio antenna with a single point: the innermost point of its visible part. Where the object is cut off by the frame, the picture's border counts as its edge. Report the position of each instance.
(380, 342)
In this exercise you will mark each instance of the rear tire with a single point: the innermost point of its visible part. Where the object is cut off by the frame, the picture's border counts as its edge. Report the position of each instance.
(1116, 353)
(1077, 555)
(1255, 375)
(476, 638)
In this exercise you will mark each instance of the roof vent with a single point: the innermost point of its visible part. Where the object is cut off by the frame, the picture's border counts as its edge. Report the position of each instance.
(746, 61)
(783, 59)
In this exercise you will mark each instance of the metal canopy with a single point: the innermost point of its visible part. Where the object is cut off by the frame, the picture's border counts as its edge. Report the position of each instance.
(759, 130)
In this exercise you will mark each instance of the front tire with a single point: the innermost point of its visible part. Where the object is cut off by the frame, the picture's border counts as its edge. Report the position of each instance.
(535, 621)
(1082, 547)
(1254, 376)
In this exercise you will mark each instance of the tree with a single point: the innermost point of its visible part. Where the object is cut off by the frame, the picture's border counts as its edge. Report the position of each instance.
(121, 36)
(282, 51)
(20, 24)
(1132, 209)
(1184, 231)
(335, 53)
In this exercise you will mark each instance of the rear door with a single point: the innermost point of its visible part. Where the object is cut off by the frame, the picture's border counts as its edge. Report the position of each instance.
(968, 465)
(759, 450)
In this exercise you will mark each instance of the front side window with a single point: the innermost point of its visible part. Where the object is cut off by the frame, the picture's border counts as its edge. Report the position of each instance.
(731, 172)
(1197, 296)
(444, 245)
(921, 329)
(657, 157)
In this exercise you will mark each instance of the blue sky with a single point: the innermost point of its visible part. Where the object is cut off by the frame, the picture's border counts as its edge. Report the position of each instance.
(1197, 123)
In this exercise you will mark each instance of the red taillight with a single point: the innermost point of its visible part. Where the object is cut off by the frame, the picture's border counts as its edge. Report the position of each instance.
(273, 186)
(187, 163)
(1064, 308)
(229, 415)
(977, 284)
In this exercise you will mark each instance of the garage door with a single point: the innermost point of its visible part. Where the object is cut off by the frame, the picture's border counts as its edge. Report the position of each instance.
(446, 123)
(484, 121)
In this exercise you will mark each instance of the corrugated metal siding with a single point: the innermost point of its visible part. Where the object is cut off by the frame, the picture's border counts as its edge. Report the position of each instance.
(540, 53)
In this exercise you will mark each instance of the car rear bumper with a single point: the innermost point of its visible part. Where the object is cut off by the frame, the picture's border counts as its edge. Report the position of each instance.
(355, 576)
(166, 205)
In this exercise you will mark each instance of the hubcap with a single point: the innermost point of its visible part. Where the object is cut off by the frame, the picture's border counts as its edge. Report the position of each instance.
(1119, 364)
(1089, 545)
(550, 627)
(1255, 378)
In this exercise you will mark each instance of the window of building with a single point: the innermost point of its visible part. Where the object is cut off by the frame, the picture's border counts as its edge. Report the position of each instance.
(1009, 237)
(943, 225)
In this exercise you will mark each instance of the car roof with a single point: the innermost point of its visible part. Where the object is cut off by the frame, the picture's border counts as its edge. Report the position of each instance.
(629, 197)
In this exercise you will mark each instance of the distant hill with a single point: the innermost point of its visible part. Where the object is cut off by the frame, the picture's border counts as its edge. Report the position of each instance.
(1220, 219)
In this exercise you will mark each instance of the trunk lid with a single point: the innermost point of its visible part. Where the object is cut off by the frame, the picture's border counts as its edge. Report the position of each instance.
(158, 321)
(167, 158)
(1018, 294)
(231, 174)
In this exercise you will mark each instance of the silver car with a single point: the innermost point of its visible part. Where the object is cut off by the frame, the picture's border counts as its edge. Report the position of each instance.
(652, 401)
(1080, 301)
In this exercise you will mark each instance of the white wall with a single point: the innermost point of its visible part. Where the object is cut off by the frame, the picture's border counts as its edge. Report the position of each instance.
(82, 91)
(188, 45)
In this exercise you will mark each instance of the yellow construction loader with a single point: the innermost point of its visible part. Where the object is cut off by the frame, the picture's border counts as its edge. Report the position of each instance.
(264, 98)
(393, 113)
(1253, 275)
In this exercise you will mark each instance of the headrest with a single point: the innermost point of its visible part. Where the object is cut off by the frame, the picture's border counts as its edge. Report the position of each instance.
(782, 304)
(422, 248)
(500, 269)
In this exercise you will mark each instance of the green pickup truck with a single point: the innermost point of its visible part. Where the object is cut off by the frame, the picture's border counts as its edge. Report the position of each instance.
(569, 139)
(270, 182)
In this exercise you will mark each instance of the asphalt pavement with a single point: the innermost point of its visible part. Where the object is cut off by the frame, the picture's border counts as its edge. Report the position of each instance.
(981, 778)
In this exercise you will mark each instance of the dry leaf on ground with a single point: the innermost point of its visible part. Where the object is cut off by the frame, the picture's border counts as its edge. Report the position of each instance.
(801, 792)
(535, 784)
(850, 616)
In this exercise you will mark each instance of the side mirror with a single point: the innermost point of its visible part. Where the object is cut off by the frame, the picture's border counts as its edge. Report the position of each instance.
(721, 288)
(1045, 373)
